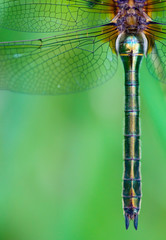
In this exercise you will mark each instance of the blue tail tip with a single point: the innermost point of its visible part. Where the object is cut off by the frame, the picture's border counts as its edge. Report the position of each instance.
(127, 221)
(129, 217)
(136, 221)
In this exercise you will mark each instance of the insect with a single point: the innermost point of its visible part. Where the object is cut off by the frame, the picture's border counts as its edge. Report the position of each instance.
(82, 53)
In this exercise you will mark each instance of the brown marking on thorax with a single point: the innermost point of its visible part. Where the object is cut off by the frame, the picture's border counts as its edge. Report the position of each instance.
(131, 3)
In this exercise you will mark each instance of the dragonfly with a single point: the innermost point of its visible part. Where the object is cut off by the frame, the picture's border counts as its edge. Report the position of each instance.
(82, 53)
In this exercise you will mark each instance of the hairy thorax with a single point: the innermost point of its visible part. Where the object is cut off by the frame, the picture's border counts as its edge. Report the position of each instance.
(131, 16)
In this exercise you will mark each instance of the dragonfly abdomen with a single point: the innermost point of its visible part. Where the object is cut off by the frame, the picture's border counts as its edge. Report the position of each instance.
(132, 151)
(131, 49)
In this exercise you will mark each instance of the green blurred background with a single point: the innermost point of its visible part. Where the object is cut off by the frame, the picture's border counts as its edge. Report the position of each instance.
(61, 162)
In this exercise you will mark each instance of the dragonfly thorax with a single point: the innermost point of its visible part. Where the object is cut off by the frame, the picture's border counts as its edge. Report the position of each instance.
(131, 44)
(131, 17)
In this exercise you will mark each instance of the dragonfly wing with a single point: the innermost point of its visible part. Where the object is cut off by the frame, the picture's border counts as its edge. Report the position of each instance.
(156, 61)
(61, 64)
(54, 15)
(156, 10)
(156, 57)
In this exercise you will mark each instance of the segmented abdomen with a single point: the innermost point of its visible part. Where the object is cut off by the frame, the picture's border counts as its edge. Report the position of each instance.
(132, 150)
(131, 48)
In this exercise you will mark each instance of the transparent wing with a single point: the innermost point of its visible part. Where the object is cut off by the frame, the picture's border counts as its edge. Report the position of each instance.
(54, 15)
(60, 64)
(156, 10)
(156, 62)
(156, 58)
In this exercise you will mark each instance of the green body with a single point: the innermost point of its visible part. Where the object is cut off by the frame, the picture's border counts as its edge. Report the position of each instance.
(131, 50)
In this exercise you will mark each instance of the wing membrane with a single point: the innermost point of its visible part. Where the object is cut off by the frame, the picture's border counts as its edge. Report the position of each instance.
(156, 10)
(156, 62)
(60, 64)
(54, 15)
(156, 59)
